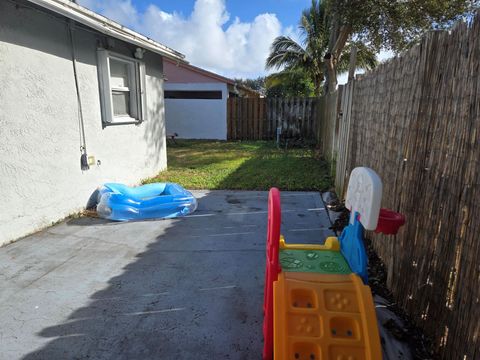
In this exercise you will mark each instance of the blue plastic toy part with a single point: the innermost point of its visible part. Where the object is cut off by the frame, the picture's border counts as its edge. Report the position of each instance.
(353, 249)
(159, 200)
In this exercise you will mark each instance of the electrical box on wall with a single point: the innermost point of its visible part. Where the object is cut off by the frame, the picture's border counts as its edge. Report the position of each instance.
(91, 160)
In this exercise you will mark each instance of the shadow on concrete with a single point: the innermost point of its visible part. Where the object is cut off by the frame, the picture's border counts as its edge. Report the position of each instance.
(191, 288)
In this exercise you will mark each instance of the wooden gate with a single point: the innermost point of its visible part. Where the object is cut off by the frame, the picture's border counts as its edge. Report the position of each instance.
(259, 118)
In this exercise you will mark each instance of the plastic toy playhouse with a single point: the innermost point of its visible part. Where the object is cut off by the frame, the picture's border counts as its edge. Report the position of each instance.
(317, 304)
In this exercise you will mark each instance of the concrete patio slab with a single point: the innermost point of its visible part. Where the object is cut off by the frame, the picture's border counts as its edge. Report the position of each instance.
(189, 288)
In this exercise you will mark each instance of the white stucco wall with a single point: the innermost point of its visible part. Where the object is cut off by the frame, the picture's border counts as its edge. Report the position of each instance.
(40, 177)
(197, 118)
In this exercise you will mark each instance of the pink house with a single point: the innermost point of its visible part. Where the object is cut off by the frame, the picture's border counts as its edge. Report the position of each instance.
(196, 101)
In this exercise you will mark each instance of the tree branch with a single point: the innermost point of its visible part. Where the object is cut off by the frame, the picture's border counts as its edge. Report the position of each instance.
(343, 36)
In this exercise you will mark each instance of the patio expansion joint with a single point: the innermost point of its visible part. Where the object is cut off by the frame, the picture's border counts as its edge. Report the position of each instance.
(95, 240)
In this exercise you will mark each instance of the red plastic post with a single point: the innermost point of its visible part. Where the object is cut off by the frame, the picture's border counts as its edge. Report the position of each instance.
(389, 222)
(272, 269)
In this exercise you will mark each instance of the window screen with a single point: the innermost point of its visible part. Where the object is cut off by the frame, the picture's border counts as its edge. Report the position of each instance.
(121, 103)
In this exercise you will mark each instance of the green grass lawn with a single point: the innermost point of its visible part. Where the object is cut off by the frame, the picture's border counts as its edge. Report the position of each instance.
(247, 165)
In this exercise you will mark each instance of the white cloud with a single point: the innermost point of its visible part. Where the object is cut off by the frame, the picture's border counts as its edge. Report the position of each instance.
(208, 37)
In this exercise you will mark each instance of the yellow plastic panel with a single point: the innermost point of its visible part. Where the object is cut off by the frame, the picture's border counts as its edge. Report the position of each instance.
(331, 243)
(324, 317)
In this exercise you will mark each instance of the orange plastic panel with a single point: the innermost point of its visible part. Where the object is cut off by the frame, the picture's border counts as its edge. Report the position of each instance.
(324, 317)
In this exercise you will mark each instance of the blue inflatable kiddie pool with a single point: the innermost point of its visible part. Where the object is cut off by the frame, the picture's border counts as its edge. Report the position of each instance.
(159, 200)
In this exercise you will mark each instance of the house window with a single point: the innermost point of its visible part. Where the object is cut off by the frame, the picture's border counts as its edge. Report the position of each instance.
(122, 88)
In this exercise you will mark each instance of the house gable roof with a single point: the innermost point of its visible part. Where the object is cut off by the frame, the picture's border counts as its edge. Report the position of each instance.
(200, 71)
(106, 26)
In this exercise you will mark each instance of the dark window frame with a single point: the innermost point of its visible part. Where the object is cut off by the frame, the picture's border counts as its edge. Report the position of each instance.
(193, 94)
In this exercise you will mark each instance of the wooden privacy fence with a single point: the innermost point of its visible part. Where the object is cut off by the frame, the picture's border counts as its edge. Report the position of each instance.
(259, 118)
(328, 113)
(416, 121)
(341, 147)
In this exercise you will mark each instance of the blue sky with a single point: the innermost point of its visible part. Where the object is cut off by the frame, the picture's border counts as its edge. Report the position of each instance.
(287, 11)
(229, 37)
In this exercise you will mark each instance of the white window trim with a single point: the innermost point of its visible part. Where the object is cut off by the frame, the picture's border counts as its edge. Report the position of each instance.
(137, 90)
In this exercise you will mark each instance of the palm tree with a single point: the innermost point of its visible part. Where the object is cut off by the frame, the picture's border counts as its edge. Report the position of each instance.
(292, 83)
(288, 55)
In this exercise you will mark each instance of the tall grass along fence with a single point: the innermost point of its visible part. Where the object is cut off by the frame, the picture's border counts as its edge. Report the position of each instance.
(416, 121)
(259, 118)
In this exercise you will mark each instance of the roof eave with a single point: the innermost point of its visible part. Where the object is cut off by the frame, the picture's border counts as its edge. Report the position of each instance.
(106, 26)
(207, 73)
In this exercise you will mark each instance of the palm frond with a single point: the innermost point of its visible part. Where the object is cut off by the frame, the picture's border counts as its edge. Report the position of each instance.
(312, 24)
(308, 56)
(366, 57)
(285, 52)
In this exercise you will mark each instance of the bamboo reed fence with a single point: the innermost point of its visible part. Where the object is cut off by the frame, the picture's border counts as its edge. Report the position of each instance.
(259, 118)
(416, 121)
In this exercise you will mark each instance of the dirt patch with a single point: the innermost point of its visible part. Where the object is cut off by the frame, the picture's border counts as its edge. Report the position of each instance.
(232, 199)
(420, 346)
